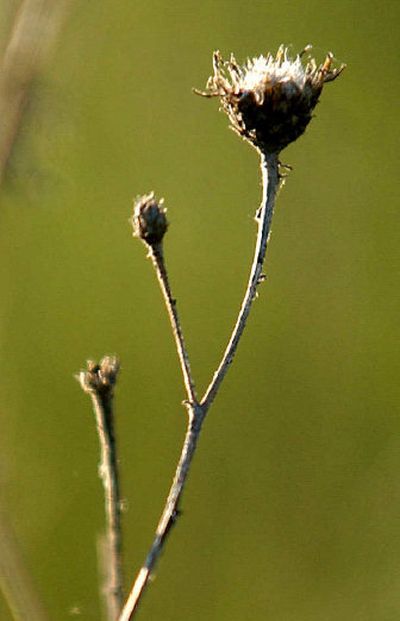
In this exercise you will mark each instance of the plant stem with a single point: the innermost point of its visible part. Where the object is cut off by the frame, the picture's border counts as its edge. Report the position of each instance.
(108, 470)
(157, 256)
(270, 178)
(169, 514)
(197, 412)
(195, 419)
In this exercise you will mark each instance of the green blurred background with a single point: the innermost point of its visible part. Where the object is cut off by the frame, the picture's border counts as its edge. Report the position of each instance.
(292, 511)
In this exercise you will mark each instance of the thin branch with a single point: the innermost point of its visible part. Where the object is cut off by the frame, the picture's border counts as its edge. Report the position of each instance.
(197, 412)
(109, 475)
(157, 256)
(150, 224)
(98, 381)
(270, 177)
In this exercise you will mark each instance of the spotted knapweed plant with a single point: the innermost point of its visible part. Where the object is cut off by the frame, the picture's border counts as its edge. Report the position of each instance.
(269, 102)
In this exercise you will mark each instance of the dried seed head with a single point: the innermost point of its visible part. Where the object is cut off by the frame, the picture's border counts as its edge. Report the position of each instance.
(100, 378)
(149, 219)
(270, 99)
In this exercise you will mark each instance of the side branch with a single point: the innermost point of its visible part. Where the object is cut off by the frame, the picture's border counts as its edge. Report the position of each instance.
(150, 225)
(98, 381)
(157, 256)
(270, 177)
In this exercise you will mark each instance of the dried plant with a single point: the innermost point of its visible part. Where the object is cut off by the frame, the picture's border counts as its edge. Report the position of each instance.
(98, 381)
(269, 102)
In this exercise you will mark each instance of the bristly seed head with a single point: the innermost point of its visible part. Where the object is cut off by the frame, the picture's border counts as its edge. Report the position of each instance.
(149, 219)
(270, 99)
(100, 378)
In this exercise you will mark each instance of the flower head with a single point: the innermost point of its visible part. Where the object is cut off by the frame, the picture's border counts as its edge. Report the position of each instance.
(270, 99)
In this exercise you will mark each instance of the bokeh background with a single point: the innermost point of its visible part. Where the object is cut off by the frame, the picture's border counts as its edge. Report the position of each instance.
(292, 511)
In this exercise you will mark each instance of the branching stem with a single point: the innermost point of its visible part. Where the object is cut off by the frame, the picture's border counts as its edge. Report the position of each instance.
(197, 412)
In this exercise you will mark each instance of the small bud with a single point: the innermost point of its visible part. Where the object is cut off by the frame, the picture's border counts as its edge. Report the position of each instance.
(149, 219)
(270, 99)
(100, 378)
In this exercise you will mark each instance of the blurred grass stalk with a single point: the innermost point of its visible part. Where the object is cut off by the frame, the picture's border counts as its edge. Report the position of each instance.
(36, 27)
(15, 581)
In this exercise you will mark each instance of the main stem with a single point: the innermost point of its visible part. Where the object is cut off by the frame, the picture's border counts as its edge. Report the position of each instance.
(270, 179)
(197, 412)
(102, 404)
(169, 514)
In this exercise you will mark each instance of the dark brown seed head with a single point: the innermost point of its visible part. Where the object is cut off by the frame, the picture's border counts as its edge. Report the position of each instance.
(269, 100)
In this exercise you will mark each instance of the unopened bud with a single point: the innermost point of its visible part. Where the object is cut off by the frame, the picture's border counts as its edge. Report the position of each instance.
(149, 219)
